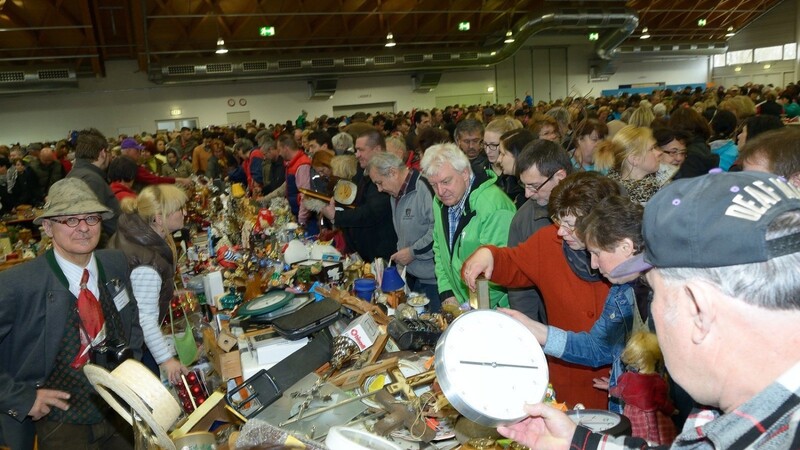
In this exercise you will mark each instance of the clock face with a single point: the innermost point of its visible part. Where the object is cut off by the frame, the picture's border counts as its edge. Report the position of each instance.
(266, 303)
(489, 365)
(601, 421)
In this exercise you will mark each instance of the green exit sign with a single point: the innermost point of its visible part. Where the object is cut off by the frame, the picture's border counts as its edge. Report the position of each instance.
(266, 31)
(463, 26)
(594, 36)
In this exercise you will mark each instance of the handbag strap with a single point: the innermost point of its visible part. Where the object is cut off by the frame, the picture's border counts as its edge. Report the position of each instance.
(172, 320)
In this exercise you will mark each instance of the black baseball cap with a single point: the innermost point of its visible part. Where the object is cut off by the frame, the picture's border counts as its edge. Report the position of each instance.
(715, 220)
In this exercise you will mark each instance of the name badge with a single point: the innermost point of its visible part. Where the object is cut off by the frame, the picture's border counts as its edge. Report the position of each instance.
(118, 292)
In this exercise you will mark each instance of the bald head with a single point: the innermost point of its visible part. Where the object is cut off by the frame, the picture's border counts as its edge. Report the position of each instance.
(47, 155)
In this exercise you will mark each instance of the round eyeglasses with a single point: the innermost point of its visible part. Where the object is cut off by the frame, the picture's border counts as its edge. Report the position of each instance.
(73, 222)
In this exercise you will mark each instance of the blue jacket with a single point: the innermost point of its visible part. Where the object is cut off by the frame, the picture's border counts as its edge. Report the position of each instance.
(603, 344)
(727, 151)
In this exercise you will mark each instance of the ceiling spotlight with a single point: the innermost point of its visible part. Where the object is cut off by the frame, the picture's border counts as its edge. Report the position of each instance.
(390, 40)
(509, 37)
(490, 89)
(221, 50)
(730, 32)
(767, 66)
(645, 34)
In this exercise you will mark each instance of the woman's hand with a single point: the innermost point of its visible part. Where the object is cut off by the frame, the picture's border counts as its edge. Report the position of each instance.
(480, 262)
(174, 369)
(537, 328)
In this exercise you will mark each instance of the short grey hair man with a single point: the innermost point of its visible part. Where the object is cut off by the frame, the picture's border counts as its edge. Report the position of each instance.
(437, 155)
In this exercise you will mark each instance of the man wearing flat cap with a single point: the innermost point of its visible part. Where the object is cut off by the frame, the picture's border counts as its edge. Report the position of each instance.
(56, 313)
(724, 256)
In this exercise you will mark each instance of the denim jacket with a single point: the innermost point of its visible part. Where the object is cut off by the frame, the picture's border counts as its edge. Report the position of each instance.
(603, 344)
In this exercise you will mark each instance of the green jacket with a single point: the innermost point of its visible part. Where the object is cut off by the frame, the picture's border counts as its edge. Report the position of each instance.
(486, 220)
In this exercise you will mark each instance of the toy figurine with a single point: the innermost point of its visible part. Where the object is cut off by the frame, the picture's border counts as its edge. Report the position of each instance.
(645, 391)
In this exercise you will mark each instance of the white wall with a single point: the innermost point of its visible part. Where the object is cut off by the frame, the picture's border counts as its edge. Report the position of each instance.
(126, 101)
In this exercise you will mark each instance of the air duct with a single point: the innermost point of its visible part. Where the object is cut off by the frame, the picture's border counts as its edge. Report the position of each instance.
(18, 81)
(620, 21)
(674, 49)
(425, 82)
(321, 89)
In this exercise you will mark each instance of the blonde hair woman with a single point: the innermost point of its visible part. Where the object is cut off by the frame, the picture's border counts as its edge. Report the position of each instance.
(631, 158)
(491, 138)
(144, 233)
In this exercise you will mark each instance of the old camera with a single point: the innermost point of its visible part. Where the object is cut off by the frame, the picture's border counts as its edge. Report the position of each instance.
(111, 354)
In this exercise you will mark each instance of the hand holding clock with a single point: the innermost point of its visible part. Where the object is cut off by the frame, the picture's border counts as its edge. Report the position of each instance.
(538, 329)
(547, 428)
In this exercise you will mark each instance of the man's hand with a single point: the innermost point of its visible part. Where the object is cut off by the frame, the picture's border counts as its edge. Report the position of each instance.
(185, 182)
(450, 301)
(403, 256)
(329, 210)
(480, 262)
(547, 428)
(537, 328)
(46, 399)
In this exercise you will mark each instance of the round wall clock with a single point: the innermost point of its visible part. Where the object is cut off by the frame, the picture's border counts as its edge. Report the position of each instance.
(601, 421)
(231, 102)
(263, 304)
(489, 366)
(242, 101)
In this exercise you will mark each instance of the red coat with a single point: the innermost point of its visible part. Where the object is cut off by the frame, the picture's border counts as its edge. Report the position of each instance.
(572, 304)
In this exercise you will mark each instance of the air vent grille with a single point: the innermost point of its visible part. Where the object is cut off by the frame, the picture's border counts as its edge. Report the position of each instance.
(289, 64)
(355, 61)
(322, 62)
(255, 66)
(12, 77)
(385, 60)
(413, 58)
(441, 56)
(181, 70)
(219, 68)
(54, 74)
(468, 56)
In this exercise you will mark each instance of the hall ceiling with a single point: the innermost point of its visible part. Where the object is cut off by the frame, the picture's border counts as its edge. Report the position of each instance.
(84, 34)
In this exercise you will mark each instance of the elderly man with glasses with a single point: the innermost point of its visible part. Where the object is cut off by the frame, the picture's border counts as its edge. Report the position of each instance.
(541, 165)
(56, 313)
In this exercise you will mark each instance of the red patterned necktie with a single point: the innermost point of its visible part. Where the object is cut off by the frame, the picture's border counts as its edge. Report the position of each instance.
(91, 316)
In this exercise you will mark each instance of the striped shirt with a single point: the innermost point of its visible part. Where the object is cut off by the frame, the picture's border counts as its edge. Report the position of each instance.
(767, 421)
(146, 286)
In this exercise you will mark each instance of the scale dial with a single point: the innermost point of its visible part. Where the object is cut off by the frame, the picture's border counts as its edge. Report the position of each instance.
(265, 303)
(489, 365)
(601, 421)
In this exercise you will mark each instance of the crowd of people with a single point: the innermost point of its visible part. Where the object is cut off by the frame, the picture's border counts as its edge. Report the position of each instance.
(593, 218)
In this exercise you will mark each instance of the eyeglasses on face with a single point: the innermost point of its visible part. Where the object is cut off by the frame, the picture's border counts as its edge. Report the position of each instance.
(535, 189)
(489, 146)
(674, 152)
(561, 224)
(73, 222)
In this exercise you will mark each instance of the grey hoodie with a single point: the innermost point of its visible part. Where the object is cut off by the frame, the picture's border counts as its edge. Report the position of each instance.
(412, 216)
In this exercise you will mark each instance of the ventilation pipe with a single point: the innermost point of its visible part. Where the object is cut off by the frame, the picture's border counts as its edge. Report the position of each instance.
(621, 22)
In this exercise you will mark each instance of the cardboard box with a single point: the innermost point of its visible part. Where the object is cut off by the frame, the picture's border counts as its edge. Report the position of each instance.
(363, 331)
(227, 364)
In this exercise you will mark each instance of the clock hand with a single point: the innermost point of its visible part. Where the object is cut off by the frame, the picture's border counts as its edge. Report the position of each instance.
(496, 364)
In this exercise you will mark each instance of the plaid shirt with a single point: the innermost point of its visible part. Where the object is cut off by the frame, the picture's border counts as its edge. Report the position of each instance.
(767, 421)
(454, 213)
